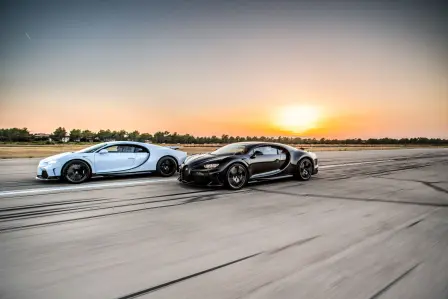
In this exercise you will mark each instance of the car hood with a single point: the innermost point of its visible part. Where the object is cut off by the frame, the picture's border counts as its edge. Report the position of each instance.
(56, 157)
(202, 158)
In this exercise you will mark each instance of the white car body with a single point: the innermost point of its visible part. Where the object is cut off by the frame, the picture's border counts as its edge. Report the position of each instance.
(111, 163)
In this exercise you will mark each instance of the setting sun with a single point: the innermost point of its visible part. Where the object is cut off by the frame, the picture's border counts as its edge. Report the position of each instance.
(297, 119)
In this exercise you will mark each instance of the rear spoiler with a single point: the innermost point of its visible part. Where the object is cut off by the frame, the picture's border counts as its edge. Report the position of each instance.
(174, 147)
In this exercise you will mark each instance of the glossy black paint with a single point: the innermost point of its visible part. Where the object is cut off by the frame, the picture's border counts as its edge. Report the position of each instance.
(269, 165)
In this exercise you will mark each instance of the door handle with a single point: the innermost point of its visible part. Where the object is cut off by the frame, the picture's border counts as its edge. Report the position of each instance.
(131, 158)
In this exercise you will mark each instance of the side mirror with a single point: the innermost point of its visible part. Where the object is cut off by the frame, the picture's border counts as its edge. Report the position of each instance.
(256, 154)
(103, 151)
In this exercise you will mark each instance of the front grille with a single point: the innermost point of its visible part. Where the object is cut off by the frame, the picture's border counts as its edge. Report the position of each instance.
(201, 179)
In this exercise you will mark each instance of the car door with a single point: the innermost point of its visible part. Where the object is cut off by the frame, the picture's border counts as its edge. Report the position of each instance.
(264, 159)
(119, 157)
(283, 157)
(141, 156)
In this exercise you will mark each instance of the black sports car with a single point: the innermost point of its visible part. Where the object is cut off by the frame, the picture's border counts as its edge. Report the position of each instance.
(236, 164)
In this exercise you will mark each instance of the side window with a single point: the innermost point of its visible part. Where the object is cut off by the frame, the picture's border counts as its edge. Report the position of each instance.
(121, 149)
(112, 149)
(267, 150)
(139, 149)
(281, 151)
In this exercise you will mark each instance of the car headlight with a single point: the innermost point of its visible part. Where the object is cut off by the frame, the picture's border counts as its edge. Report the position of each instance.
(52, 162)
(211, 166)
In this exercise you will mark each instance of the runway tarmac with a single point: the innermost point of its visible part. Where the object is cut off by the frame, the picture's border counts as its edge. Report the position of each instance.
(371, 224)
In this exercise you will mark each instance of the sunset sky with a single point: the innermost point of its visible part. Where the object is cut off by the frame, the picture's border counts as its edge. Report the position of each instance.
(346, 69)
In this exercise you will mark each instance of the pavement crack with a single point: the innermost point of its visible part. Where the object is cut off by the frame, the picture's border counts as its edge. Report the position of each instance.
(296, 243)
(393, 282)
(175, 281)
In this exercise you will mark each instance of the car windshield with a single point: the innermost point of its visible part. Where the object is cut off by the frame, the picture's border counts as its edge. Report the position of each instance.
(92, 148)
(231, 149)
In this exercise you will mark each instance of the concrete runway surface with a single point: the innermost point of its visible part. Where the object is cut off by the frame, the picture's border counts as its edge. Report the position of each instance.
(371, 224)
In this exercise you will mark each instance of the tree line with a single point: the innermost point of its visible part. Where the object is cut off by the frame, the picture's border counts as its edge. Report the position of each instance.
(76, 135)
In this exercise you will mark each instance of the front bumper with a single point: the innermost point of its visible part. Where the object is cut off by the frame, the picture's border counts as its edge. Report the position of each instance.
(51, 178)
(200, 177)
(48, 172)
(316, 164)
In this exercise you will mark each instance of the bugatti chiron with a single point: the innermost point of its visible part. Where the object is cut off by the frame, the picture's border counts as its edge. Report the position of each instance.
(111, 159)
(236, 164)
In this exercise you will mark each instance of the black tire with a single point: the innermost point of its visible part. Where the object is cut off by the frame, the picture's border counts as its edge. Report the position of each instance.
(236, 176)
(304, 169)
(167, 166)
(76, 172)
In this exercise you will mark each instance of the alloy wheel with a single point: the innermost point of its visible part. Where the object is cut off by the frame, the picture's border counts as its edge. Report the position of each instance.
(236, 176)
(77, 172)
(305, 169)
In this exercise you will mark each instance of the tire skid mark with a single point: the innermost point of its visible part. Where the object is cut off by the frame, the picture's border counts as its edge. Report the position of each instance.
(428, 184)
(414, 223)
(69, 210)
(437, 188)
(72, 202)
(368, 240)
(293, 244)
(393, 282)
(379, 172)
(442, 205)
(197, 199)
(178, 280)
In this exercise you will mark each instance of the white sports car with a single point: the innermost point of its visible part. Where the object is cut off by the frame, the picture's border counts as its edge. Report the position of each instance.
(111, 159)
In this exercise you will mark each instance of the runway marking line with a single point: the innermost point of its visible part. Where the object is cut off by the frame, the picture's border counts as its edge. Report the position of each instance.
(136, 183)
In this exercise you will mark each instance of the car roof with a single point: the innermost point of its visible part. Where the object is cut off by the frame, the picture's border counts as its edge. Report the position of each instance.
(131, 143)
(122, 142)
(260, 143)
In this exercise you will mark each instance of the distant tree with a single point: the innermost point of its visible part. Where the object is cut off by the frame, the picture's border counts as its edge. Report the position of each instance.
(104, 135)
(174, 138)
(75, 135)
(214, 139)
(134, 136)
(87, 135)
(145, 137)
(59, 134)
(20, 135)
(119, 135)
(15, 135)
(159, 137)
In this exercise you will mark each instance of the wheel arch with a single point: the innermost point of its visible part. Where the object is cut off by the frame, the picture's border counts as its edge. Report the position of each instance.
(235, 160)
(306, 157)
